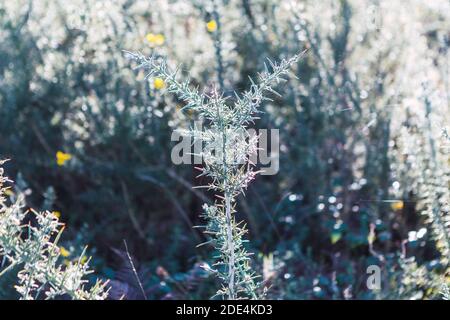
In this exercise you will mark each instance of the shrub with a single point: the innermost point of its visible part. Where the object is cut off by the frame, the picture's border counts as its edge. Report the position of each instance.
(33, 249)
(226, 158)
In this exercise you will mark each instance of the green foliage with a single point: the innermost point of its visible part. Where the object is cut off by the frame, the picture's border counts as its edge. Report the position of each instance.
(226, 158)
(33, 249)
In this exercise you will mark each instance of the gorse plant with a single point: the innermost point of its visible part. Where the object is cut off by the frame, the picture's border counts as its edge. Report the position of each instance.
(445, 292)
(33, 248)
(435, 185)
(226, 161)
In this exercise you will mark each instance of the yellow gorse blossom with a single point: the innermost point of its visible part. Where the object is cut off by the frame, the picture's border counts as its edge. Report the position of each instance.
(397, 205)
(64, 252)
(57, 214)
(211, 25)
(158, 83)
(155, 39)
(62, 157)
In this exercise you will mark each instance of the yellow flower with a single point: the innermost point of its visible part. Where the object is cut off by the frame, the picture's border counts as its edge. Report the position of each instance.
(155, 39)
(57, 214)
(397, 205)
(62, 157)
(64, 252)
(158, 83)
(211, 25)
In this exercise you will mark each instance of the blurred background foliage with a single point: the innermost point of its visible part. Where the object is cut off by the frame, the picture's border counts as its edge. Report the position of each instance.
(364, 164)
